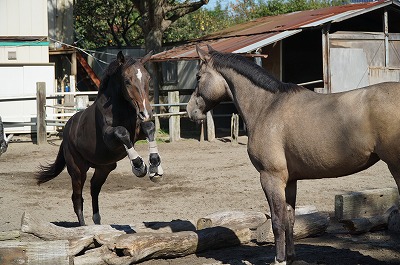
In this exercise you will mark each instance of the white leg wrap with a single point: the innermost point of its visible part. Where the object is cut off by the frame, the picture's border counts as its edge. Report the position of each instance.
(132, 154)
(153, 147)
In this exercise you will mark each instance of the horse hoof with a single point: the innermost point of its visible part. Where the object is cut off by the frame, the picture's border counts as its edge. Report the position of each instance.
(156, 178)
(156, 173)
(140, 172)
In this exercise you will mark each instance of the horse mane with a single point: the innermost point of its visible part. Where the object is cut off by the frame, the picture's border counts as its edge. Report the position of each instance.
(256, 74)
(112, 68)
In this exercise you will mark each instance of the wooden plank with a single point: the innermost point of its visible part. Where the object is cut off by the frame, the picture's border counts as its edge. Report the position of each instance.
(34, 253)
(366, 203)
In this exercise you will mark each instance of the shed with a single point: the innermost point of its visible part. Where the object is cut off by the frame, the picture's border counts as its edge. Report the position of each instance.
(331, 49)
(327, 50)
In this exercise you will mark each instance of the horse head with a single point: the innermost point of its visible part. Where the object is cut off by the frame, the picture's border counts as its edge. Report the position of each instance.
(210, 90)
(135, 84)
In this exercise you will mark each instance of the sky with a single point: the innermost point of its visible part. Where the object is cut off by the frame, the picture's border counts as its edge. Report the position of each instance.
(211, 3)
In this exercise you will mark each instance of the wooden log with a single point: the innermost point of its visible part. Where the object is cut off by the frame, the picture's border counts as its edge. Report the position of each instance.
(9, 235)
(34, 253)
(366, 203)
(49, 231)
(143, 246)
(306, 225)
(249, 219)
(363, 225)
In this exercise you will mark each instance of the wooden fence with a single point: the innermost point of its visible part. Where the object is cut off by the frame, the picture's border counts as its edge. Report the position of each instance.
(69, 109)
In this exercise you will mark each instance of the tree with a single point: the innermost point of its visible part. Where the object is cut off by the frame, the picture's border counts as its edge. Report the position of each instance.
(157, 15)
(128, 22)
(107, 23)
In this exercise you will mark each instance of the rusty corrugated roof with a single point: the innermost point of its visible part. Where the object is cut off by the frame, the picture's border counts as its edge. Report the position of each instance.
(249, 36)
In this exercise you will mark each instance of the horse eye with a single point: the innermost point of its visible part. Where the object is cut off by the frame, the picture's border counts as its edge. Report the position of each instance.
(198, 78)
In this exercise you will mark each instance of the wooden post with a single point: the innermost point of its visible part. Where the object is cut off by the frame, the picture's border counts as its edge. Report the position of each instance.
(210, 127)
(174, 120)
(41, 134)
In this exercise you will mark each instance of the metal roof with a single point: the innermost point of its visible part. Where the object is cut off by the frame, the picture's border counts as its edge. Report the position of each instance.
(247, 37)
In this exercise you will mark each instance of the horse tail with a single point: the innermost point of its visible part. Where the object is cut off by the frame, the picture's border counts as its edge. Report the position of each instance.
(50, 171)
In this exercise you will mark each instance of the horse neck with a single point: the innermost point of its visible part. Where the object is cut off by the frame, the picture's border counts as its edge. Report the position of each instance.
(248, 98)
(113, 103)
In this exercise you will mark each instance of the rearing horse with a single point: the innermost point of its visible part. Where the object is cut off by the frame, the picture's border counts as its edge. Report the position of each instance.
(106, 131)
(295, 133)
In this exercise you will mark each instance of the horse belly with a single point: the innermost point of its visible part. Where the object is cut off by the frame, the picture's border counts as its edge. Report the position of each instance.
(331, 166)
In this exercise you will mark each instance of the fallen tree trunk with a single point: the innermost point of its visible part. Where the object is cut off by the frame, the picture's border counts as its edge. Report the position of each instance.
(49, 231)
(34, 253)
(305, 225)
(143, 246)
(363, 225)
(249, 219)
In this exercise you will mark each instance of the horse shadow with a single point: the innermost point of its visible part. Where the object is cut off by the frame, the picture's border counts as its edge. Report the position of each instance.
(172, 226)
(306, 253)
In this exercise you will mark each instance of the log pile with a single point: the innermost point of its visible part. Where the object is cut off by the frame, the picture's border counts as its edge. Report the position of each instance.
(130, 244)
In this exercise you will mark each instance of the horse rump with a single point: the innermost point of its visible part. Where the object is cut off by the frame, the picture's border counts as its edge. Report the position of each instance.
(50, 171)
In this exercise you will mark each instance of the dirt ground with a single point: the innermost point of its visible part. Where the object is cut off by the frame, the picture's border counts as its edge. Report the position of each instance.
(200, 178)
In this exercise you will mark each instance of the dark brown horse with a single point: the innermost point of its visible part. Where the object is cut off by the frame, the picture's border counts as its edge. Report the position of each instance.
(105, 132)
(294, 133)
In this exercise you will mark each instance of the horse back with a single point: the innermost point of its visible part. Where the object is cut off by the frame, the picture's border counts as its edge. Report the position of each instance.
(328, 135)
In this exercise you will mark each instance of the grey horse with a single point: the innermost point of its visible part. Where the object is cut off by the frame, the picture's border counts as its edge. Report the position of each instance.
(295, 133)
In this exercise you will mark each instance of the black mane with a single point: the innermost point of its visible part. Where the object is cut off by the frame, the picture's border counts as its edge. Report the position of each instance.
(256, 74)
(112, 68)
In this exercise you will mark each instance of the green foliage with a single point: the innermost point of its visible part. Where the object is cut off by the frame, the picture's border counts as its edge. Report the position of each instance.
(106, 23)
(198, 24)
(116, 22)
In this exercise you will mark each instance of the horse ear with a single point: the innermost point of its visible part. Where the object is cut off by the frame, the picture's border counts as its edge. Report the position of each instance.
(146, 58)
(210, 49)
(120, 58)
(204, 56)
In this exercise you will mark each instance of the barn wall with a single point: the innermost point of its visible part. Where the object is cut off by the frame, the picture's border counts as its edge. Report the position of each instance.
(22, 18)
(357, 59)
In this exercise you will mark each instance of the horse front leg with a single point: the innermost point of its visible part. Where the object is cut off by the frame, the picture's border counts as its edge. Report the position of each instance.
(273, 185)
(155, 169)
(139, 168)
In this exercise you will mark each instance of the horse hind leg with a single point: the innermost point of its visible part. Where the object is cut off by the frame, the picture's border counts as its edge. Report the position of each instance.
(99, 177)
(78, 177)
